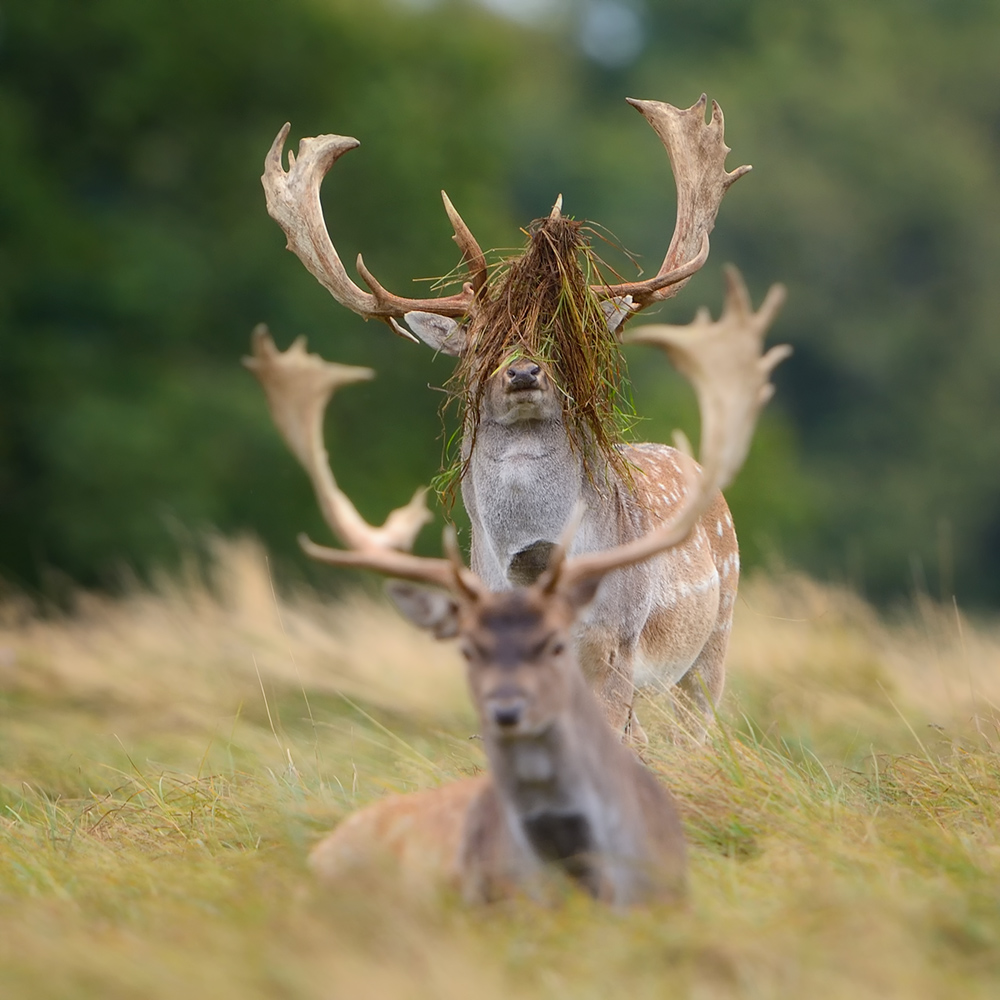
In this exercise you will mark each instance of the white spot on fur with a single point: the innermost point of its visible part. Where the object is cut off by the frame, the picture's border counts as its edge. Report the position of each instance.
(699, 587)
(718, 528)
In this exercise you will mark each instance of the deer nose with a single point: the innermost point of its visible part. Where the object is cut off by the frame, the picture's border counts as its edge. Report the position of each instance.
(509, 715)
(523, 378)
(506, 706)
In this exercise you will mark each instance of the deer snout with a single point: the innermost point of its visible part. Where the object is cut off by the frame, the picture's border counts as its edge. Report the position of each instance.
(523, 375)
(508, 716)
(506, 708)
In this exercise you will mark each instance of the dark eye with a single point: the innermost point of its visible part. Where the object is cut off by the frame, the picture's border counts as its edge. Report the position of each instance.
(557, 648)
(466, 652)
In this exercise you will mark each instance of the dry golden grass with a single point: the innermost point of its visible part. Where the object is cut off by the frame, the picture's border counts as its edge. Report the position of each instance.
(167, 759)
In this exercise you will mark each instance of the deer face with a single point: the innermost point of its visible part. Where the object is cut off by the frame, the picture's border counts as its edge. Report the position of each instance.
(521, 389)
(517, 647)
(518, 658)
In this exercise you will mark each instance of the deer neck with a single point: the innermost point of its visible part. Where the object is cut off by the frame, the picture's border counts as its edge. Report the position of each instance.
(502, 439)
(523, 483)
(562, 788)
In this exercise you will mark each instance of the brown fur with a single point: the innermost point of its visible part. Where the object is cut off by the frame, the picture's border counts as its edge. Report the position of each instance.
(419, 834)
(712, 549)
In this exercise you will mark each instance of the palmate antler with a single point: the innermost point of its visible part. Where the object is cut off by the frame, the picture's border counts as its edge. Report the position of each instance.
(299, 386)
(723, 360)
(697, 153)
(293, 202)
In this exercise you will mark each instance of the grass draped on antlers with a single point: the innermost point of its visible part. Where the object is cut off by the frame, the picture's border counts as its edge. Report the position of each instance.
(540, 305)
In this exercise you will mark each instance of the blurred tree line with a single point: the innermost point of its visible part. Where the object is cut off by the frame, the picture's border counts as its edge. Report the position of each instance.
(137, 255)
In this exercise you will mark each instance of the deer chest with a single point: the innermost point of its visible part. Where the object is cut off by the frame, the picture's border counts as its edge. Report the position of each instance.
(563, 839)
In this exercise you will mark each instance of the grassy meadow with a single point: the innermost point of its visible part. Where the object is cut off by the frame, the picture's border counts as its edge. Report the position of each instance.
(168, 758)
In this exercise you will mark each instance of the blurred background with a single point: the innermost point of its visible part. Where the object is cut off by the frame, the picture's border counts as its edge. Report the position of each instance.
(137, 255)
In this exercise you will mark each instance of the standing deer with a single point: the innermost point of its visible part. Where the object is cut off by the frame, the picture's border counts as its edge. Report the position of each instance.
(538, 436)
(563, 792)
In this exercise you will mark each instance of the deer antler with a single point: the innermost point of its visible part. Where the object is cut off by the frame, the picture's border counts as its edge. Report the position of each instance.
(724, 362)
(299, 386)
(472, 256)
(293, 202)
(697, 152)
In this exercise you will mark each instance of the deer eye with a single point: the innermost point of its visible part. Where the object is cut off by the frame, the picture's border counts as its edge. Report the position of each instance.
(547, 648)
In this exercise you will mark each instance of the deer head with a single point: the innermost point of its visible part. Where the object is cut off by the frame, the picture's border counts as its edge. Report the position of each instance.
(517, 647)
(521, 389)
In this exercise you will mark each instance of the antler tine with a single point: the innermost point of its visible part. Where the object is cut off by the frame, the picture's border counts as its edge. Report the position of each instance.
(463, 579)
(724, 362)
(697, 152)
(391, 303)
(472, 255)
(293, 202)
(731, 376)
(389, 562)
(298, 386)
(550, 578)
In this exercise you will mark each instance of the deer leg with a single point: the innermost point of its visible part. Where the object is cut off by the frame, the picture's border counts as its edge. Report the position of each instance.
(615, 691)
(489, 866)
(699, 691)
(608, 665)
(634, 733)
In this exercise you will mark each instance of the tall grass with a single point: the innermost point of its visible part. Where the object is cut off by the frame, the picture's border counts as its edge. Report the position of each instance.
(167, 759)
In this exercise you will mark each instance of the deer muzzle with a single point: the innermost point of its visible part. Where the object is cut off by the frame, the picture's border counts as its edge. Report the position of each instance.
(506, 708)
(521, 377)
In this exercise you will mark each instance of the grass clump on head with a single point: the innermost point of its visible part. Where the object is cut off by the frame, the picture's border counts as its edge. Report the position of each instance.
(540, 305)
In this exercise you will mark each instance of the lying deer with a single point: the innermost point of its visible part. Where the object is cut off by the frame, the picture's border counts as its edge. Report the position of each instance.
(562, 792)
(527, 465)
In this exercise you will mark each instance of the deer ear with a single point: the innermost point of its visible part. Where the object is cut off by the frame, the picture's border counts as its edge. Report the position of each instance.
(427, 608)
(442, 333)
(581, 593)
(616, 310)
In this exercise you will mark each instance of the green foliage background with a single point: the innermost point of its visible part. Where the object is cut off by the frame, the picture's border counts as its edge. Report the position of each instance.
(137, 255)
